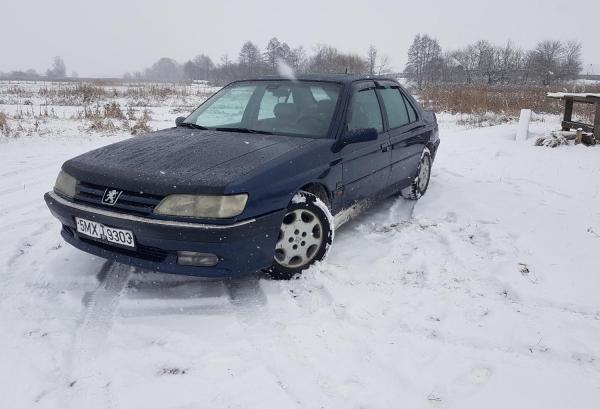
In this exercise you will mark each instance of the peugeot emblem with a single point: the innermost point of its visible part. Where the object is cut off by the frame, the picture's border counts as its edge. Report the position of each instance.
(111, 196)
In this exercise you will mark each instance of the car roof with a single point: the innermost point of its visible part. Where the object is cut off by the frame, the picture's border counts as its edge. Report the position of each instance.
(340, 78)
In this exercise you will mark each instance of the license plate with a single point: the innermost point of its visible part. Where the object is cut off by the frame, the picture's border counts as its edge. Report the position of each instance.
(104, 233)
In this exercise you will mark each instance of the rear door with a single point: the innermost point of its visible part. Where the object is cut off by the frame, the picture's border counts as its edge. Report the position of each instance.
(406, 132)
(366, 165)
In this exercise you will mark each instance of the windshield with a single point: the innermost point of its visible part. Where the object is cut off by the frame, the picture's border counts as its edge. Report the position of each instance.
(278, 107)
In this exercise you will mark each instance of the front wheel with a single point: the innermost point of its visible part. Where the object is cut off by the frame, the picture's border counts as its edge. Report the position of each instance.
(419, 185)
(305, 236)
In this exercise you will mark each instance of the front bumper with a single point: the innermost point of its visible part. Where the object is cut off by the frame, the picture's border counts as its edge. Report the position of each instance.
(243, 247)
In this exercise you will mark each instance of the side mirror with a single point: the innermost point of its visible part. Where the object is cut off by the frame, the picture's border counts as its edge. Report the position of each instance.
(360, 135)
(179, 120)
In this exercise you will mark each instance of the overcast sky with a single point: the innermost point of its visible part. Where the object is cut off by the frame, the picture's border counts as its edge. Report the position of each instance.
(110, 37)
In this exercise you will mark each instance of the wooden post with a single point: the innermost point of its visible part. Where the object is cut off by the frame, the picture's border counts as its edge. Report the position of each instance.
(568, 112)
(597, 122)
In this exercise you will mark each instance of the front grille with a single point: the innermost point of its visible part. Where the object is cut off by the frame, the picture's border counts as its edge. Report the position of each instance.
(143, 252)
(129, 202)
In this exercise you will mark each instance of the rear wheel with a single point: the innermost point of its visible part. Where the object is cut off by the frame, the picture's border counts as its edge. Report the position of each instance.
(304, 237)
(420, 183)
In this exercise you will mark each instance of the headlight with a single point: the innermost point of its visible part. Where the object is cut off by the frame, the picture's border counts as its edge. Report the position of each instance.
(65, 184)
(202, 206)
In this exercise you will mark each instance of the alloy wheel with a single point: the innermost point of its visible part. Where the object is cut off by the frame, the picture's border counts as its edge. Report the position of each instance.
(424, 173)
(300, 238)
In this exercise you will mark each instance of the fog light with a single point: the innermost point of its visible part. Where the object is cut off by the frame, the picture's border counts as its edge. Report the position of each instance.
(193, 258)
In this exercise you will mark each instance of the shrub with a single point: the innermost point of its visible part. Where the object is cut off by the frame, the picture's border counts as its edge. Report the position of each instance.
(141, 126)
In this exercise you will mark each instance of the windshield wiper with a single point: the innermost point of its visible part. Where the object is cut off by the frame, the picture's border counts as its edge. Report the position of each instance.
(191, 125)
(244, 130)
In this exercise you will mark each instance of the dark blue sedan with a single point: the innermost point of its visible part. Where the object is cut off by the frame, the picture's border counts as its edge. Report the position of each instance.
(256, 178)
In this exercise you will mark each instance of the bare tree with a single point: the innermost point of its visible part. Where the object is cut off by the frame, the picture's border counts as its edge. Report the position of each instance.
(323, 59)
(351, 64)
(372, 59)
(165, 69)
(198, 68)
(424, 60)
(572, 64)
(510, 63)
(297, 59)
(328, 59)
(545, 60)
(250, 58)
(384, 66)
(58, 70)
(273, 53)
(486, 61)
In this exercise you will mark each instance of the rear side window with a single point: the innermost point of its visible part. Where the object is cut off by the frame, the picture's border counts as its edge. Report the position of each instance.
(395, 107)
(364, 111)
(412, 114)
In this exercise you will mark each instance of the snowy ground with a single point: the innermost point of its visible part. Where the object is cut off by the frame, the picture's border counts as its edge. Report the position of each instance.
(484, 294)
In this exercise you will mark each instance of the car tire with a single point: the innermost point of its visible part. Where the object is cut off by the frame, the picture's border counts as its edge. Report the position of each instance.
(420, 183)
(305, 236)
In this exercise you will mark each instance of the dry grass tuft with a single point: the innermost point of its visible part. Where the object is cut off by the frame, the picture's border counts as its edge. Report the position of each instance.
(78, 94)
(103, 125)
(141, 125)
(3, 121)
(113, 110)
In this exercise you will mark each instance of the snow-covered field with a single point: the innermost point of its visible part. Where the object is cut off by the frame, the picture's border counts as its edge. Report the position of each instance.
(483, 294)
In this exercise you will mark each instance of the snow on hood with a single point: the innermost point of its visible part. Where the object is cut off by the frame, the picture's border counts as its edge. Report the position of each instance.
(179, 159)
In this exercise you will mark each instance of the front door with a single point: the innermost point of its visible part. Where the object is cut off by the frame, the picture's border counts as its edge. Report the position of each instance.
(405, 131)
(365, 165)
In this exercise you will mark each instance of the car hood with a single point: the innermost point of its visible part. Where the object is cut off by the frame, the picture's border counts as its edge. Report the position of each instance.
(179, 160)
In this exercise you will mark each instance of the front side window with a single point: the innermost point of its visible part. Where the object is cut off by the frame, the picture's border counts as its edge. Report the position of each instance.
(395, 107)
(299, 108)
(365, 111)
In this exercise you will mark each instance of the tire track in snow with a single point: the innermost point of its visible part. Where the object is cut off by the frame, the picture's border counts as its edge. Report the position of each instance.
(39, 169)
(88, 386)
(26, 243)
(19, 188)
(251, 309)
(36, 203)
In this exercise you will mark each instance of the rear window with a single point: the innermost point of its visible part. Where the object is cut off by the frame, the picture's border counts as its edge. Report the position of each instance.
(395, 107)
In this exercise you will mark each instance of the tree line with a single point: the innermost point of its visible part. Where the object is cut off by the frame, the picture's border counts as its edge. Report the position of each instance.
(57, 70)
(550, 61)
(481, 62)
(254, 61)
